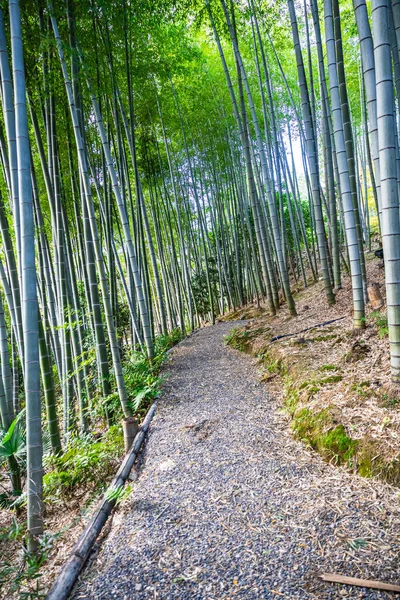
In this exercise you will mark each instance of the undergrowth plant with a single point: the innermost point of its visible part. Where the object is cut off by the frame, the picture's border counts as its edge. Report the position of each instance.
(381, 323)
(86, 464)
(20, 570)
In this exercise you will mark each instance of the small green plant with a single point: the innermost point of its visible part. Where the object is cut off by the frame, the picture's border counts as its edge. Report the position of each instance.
(12, 440)
(362, 388)
(15, 531)
(274, 367)
(357, 543)
(390, 401)
(22, 574)
(381, 323)
(148, 393)
(118, 494)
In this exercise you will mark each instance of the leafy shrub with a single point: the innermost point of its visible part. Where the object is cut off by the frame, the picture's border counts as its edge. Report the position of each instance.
(142, 375)
(141, 379)
(85, 462)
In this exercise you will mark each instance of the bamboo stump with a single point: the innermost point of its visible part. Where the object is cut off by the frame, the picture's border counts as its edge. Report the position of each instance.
(130, 428)
(375, 296)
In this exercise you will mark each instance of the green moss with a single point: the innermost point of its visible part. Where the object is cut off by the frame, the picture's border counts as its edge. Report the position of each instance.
(364, 464)
(272, 363)
(339, 445)
(305, 423)
(238, 339)
(371, 463)
(324, 338)
(320, 430)
(331, 379)
(316, 429)
(314, 386)
(291, 397)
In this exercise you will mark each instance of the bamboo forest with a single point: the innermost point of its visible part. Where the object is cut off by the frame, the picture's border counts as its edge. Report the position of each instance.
(199, 299)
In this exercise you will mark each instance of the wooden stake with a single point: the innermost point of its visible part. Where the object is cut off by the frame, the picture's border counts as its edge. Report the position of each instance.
(367, 583)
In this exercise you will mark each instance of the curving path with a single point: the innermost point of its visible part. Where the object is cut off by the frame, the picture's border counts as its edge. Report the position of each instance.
(227, 505)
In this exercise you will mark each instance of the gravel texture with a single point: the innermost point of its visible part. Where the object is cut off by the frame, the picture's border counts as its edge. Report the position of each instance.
(228, 505)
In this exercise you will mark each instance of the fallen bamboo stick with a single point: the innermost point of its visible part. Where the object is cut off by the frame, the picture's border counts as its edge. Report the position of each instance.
(286, 335)
(71, 569)
(367, 583)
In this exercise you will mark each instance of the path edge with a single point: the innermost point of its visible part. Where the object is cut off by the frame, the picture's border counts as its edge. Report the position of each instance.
(71, 570)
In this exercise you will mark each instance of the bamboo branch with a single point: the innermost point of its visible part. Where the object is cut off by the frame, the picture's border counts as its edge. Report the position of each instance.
(279, 337)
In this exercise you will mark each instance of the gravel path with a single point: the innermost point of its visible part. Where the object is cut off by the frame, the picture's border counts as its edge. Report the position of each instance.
(227, 505)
